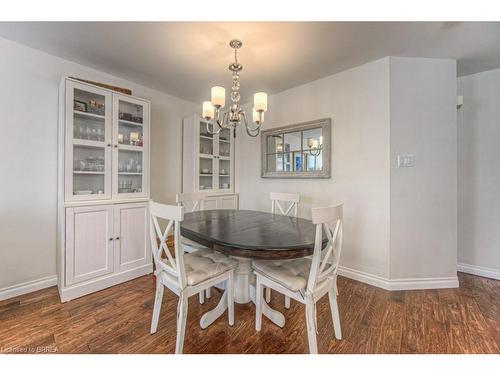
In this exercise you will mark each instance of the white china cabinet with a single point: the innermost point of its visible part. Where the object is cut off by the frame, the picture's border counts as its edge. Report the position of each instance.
(208, 162)
(103, 188)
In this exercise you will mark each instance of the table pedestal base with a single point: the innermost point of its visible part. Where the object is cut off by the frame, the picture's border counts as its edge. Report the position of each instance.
(212, 315)
(243, 277)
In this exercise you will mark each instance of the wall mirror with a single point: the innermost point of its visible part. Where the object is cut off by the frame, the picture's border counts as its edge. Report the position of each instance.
(297, 151)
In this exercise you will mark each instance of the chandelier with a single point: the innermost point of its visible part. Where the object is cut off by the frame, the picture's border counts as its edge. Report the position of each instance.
(315, 146)
(234, 115)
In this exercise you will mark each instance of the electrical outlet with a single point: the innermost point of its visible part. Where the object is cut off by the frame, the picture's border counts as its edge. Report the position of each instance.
(406, 161)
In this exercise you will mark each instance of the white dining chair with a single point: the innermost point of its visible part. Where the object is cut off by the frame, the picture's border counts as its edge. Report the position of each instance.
(193, 202)
(186, 274)
(291, 203)
(307, 279)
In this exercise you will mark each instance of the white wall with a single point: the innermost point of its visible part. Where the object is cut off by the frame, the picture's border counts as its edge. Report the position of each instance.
(400, 224)
(423, 198)
(29, 82)
(479, 173)
(357, 100)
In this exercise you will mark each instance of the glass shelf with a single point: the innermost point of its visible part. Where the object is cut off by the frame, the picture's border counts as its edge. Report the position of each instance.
(130, 147)
(130, 123)
(88, 170)
(89, 128)
(88, 115)
(130, 134)
(130, 169)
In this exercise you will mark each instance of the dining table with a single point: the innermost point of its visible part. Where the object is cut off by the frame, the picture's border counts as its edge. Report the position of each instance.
(246, 235)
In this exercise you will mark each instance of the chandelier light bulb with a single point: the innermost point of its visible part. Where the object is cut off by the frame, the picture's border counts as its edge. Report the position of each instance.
(208, 110)
(257, 117)
(218, 96)
(260, 101)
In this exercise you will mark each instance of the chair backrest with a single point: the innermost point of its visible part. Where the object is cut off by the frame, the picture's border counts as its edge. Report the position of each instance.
(191, 201)
(325, 261)
(292, 200)
(173, 215)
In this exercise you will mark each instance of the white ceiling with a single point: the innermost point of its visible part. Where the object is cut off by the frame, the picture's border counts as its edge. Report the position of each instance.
(186, 59)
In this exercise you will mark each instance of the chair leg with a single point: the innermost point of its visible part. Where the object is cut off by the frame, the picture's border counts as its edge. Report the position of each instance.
(287, 302)
(202, 297)
(258, 304)
(334, 308)
(207, 293)
(268, 295)
(157, 305)
(311, 327)
(335, 286)
(182, 308)
(230, 298)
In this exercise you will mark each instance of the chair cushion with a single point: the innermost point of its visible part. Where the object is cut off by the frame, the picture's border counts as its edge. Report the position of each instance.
(292, 274)
(205, 264)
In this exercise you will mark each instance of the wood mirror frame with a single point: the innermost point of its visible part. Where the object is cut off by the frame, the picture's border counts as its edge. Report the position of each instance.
(323, 124)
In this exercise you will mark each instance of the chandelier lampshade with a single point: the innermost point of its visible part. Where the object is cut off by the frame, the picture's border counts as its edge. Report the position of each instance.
(218, 96)
(208, 110)
(260, 101)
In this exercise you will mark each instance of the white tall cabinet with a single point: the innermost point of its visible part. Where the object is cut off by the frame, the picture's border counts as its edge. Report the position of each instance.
(208, 163)
(103, 189)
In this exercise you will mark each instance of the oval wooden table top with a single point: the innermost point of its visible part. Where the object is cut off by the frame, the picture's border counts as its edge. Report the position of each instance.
(251, 234)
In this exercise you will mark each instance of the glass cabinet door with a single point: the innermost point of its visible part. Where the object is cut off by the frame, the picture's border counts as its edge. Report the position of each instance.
(88, 142)
(130, 146)
(224, 159)
(206, 178)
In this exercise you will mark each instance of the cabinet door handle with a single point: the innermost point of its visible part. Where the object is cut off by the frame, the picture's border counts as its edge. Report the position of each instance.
(109, 145)
(117, 238)
(116, 146)
(111, 239)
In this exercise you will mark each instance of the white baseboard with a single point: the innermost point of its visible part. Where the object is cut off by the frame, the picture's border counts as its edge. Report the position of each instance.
(27, 287)
(399, 284)
(491, 273)
(91, 286)
(364, 277)
(424, 283)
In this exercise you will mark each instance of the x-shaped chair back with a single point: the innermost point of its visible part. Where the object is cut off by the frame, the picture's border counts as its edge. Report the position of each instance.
(173, 215)
(291, 201)
(325, 261)
(191, 201)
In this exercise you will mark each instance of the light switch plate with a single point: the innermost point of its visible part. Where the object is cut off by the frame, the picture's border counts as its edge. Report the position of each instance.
(406, 161)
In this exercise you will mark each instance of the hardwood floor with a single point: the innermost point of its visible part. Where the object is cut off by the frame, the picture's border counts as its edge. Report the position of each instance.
(117, 320)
